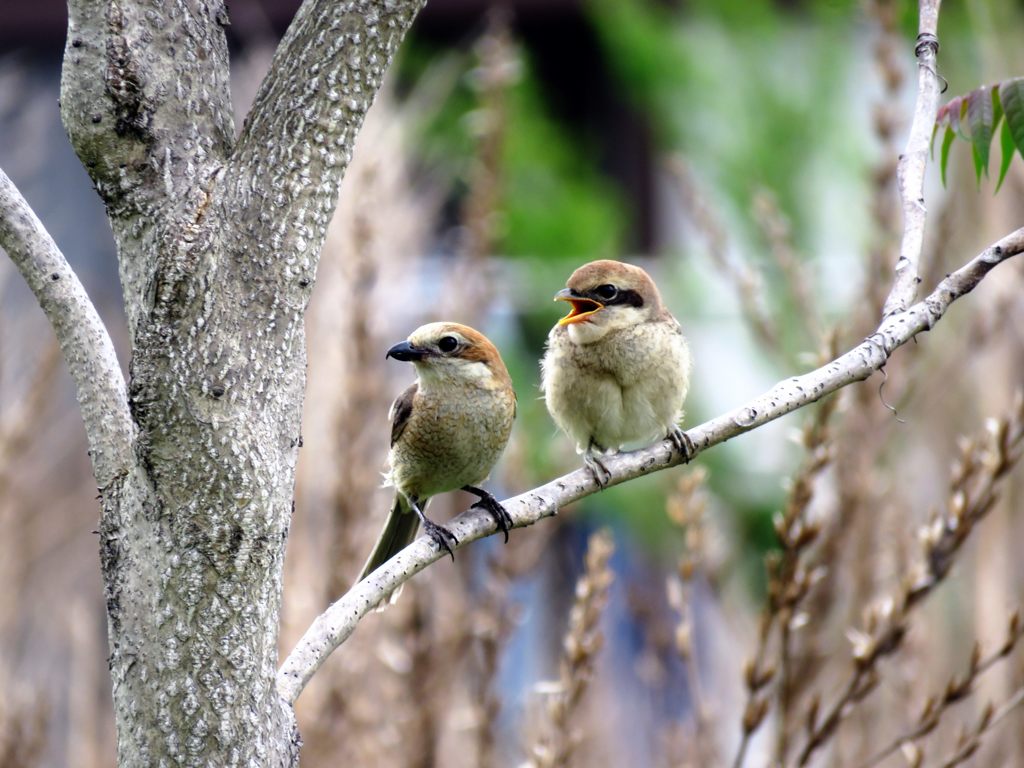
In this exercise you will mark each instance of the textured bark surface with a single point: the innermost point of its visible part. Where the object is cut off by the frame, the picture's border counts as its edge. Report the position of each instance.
(913, 162)
(218, 247)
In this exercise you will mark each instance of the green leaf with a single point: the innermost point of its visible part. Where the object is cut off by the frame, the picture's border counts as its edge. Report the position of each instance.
(1006, 144)
(947, 142)
(979, 118)
(1011, 93)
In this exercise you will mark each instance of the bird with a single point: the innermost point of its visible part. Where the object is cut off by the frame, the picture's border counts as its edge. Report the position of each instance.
(448, 430)
(616, 368)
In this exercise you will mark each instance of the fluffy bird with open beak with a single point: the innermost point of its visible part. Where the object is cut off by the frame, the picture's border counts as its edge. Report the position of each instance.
(447, 431)
(617, 367)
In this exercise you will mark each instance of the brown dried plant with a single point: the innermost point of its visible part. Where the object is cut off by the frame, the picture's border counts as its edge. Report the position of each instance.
(745, 280)
(791, 577)
(984, 462)
(24, 714)
(867, 535)
(686, 508)
(969, 740)
(493, 618)
(23, 412)
(777, 231)
(956, 690)
(888, 118)
(583, 640)
(497, 70)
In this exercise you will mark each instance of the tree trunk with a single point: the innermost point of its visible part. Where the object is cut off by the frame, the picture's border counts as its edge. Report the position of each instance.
(218, 243)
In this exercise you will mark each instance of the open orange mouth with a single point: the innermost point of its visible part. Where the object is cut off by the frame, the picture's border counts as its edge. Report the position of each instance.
(581, 309)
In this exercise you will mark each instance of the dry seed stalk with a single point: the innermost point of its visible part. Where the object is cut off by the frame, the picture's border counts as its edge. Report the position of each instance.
(744, 279)
(582, 643)
(957, 690)
(983, 463)
(686, 508)
(778, 232)
(492, 622)
(789, 582)
(889, 115)
(969, 741)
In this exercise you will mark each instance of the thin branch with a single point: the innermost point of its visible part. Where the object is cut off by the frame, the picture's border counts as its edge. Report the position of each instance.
(686, 508)
(334, 626)
(778, 232)
(83, 338)
(888, 117)
(18, 424)
(914, 160)
(990, 717)
(790, 581)
(956, 690)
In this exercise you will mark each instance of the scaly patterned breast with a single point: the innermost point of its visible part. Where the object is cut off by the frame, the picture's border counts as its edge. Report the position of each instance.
(452, 441)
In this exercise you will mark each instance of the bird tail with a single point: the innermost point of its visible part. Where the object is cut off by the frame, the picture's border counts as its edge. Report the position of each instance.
(399, 531)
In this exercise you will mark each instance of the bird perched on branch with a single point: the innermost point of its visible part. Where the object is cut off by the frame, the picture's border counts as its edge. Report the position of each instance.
(617, 368)
(447, 431)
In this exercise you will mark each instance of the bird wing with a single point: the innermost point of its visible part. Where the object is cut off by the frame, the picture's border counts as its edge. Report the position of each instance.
(401, 410)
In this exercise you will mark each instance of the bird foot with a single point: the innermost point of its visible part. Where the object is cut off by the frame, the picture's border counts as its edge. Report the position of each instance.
(597, 469)
(487, 502)
(682, 443)
(441, 536)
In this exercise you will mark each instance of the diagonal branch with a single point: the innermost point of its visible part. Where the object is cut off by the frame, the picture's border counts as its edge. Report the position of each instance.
(298, 137)
(913, 161)
(334, 626)
(83, 338)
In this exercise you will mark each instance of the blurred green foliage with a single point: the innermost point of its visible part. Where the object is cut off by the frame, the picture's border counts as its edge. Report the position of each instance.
(749, 96)
(553, 201)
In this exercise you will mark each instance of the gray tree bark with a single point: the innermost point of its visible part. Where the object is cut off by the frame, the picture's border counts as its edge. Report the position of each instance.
(217, 242)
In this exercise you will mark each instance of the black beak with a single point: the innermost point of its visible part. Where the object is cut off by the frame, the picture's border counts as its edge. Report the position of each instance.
(567, 294)
(406, 352)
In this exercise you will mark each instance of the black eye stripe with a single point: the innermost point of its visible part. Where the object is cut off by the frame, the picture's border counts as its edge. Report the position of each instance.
(632, 298)
(628, 297)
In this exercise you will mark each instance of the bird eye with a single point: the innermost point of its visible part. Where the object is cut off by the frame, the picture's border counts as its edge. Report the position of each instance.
(606, 292)
(448, 344)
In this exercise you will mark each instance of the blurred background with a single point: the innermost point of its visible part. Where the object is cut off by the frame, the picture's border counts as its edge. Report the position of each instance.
(744, 152)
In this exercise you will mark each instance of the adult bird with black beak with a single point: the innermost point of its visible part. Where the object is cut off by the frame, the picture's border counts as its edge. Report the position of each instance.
(447, 431)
